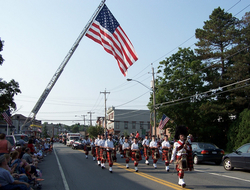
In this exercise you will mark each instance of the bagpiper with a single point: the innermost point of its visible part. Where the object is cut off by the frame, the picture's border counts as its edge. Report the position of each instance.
(87, 148)
(155, 151)
(111, 153)
(136, 154)
(97, 149)
(126, 151)
(121, 141)
(179, 154)
(93, 151)
(103, 153)
(165, 148)
(146, 150)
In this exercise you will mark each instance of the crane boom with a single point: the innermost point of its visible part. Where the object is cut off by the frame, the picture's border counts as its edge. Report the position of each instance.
(59, 71)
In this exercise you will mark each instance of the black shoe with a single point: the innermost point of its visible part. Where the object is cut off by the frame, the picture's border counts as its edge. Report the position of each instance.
(127, 167)
(99, 164)
(102, 167)
(136, 170)
(110, 171)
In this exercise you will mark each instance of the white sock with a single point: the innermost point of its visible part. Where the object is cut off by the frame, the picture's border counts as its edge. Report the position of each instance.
(110, 168)
(127, 165)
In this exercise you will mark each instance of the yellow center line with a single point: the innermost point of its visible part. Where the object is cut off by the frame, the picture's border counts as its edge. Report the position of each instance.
(150, 177)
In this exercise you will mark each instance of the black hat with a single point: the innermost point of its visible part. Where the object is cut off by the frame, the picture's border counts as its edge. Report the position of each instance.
(180, 130)
(126, 137)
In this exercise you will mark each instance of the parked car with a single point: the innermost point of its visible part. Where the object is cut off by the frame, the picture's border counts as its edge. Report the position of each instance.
(206, 152)
(18, 137)
(239, 158)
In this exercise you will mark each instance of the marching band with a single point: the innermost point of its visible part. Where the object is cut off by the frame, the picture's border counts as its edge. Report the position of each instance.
(105, 150)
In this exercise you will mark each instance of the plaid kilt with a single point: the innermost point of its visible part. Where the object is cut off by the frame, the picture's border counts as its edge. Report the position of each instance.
(125, 153)
(153, 154)
(145, 151)
(134, 158)
(97, 150)
(109, 158)
(93, 151)
(101, 153)
(165, 154)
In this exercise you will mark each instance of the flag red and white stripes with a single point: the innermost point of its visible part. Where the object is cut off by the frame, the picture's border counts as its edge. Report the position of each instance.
(7, 117)
(163, 121)
(106, 31)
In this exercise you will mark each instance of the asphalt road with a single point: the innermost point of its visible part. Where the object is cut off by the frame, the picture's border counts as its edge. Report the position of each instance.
(68, 169)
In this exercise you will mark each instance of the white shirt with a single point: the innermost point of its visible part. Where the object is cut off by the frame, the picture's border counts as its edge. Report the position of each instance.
(153, 144)
(96, 141)
(101, 142)
(86, 141)
(122, 140)
(178, 153)
(165, 144)
(125, 145)
(134, 146)
(109, 144)
(145, 142)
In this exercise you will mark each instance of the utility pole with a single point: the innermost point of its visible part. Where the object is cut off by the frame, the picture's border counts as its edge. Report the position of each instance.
(83, 118)
(154, 111)
(90, 113)
(105, 118)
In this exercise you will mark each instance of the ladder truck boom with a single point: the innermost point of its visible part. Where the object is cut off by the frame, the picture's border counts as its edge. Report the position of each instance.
(59, 71)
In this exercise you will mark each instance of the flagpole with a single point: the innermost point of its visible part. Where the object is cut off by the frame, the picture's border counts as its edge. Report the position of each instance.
(61, 67)
(7, 129)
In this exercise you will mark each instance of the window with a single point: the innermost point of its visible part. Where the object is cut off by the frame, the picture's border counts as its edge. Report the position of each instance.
(148, 125)
(133, 125)
(117, 125)
(125, 125)
(141, 124)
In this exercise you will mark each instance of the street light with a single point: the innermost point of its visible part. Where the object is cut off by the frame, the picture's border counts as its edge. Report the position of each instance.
(153, 90)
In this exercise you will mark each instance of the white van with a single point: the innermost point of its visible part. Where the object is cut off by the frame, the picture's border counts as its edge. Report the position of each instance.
(71, 137)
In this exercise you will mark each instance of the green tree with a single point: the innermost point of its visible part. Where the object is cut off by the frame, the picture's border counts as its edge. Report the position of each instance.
(180, 78)
(7, 89)
(94, 131)
(239, 132)
(1, 49)
(214, 48)
(75, 128)
(44, 132)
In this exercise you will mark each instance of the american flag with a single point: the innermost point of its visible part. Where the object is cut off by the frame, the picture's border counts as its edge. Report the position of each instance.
(106, 31)
(6, 115)
(163, 122)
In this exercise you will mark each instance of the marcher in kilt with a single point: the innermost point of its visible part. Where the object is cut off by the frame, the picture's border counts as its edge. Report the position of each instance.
(126, 151)
(136, 155)
(121, 141)
(101, 144)
(155, 151)
(93, 151)
(189, 153)
(165, 148)
(180, 154)
(111, 153)
(86, 143)
(145, 144)
(97, 149)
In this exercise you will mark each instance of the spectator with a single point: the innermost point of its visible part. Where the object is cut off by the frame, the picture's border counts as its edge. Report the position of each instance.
(31, 146)
(7, 182)
(137, 135)
(5, 146)
(22, 142)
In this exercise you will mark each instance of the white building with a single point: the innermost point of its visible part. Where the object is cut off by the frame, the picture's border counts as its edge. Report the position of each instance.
(120, 121)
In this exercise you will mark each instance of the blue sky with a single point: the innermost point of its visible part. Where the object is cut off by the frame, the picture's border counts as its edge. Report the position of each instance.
(39, 34)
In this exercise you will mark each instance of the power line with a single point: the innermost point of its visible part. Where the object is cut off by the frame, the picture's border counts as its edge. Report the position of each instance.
(219, 88)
